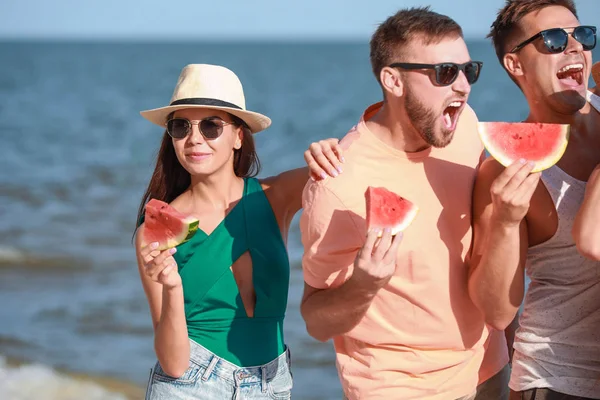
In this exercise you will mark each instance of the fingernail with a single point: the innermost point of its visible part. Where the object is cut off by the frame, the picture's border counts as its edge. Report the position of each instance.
(522, 161)
(334, 173)
(172, 250)
(153, 245)
(388, 230)
(339, 169)
(323, 176)
(343, 159)
(531, 164)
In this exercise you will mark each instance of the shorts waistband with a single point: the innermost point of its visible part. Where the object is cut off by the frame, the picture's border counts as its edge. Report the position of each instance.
(234, 373)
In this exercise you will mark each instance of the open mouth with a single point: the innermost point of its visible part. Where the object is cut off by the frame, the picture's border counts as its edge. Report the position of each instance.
(571, 75)
(451, 114)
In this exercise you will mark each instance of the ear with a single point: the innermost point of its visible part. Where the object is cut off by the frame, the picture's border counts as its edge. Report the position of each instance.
(240, 138)
(391, 81)
(513, 65)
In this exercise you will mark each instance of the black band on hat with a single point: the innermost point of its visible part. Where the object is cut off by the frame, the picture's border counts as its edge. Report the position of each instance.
(201, 101)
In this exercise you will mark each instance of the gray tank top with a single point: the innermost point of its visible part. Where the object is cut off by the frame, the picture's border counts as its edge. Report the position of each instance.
(557, 345)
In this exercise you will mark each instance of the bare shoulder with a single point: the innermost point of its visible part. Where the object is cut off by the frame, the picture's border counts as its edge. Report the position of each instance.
(466, 141)
(269, 182)
(181, 203)
(468, 112)
(271, 186)
(273, 189)
(489, 170)
(468, 119)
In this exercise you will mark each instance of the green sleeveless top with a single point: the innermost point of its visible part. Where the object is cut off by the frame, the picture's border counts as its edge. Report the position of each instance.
(214, 311)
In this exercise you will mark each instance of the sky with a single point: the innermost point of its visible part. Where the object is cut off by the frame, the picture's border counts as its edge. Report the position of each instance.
(234, 19)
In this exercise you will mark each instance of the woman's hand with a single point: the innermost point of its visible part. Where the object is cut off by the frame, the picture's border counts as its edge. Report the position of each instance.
(324, 158)
(160, 266)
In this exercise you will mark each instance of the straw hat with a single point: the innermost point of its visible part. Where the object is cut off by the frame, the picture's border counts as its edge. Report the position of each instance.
(209, 86)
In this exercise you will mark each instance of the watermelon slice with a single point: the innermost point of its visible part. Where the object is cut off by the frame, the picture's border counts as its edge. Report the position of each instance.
(507, 142)
(166, 225)
(596, 75)
(386, 209)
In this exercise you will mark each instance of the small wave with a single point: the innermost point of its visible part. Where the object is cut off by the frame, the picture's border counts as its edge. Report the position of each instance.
(22, 194)
(12, 257)
(39, 382)
(8, 255)
(14, 343)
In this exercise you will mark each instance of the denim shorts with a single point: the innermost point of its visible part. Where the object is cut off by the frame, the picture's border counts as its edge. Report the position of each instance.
(211, 377)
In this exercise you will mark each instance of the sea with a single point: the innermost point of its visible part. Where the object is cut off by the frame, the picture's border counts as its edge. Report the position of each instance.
(75, 158)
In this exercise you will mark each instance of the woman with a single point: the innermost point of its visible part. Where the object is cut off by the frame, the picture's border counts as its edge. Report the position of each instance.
(218, 301)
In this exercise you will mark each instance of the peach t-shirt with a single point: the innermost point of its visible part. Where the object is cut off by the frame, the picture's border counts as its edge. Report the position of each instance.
(422, 337)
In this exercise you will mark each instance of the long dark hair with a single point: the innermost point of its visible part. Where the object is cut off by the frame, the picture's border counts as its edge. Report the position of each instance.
(170, 179)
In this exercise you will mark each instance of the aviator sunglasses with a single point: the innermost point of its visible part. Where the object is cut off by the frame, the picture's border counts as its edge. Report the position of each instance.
(556, 39)
(210, 128)
(446, 73)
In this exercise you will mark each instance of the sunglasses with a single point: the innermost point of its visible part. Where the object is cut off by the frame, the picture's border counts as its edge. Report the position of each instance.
(446, 73)
(210, 128)
(556, 39)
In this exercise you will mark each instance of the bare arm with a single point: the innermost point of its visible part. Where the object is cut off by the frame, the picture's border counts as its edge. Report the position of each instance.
(322, 159)
(333, 312)
(289, 185)
(336, 311)
(586, 228)
(500, 202)
(162, 285)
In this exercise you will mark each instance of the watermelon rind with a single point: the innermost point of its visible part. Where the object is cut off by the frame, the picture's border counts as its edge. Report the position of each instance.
(190, 225)
(401, 227)
(192, 228)
(506, 160)
(408, 218)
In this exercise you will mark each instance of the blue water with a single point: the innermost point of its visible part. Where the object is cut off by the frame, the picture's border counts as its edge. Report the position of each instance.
(75, 159)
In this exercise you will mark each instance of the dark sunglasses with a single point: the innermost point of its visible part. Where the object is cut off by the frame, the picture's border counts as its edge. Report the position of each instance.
(556, 39)
(210, 128)
(446, 73)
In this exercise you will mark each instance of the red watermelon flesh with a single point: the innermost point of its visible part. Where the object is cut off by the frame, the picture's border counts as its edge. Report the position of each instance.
(166, 225)
(386, 209)
(507, 142)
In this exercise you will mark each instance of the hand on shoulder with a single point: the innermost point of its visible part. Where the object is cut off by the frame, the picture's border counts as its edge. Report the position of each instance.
(324, 158)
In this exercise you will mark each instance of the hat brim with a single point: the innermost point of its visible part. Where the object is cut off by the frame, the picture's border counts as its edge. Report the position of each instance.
(256, 122)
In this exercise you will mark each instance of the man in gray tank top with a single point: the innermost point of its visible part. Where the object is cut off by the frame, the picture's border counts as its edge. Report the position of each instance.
(523, 221)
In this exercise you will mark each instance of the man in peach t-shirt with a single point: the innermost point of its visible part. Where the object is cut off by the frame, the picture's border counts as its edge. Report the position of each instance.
(400, 315)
